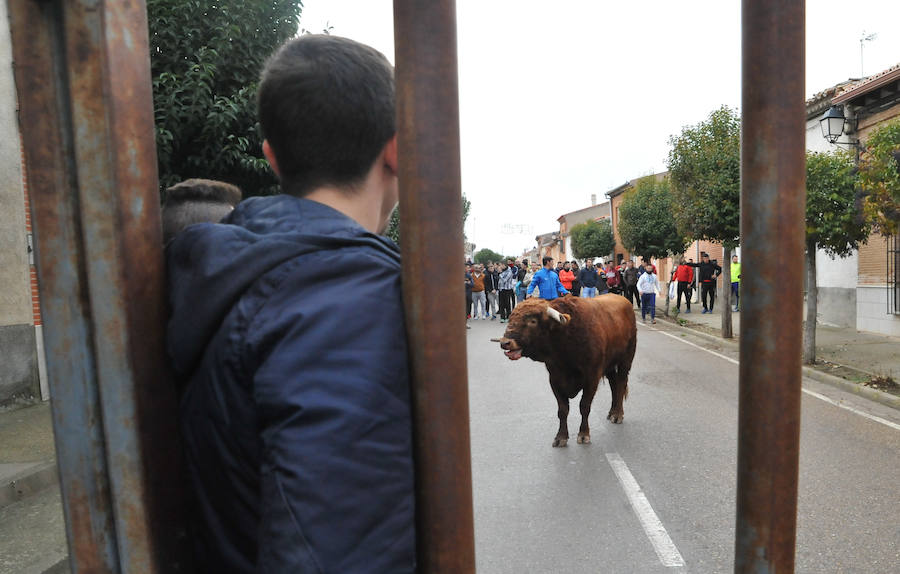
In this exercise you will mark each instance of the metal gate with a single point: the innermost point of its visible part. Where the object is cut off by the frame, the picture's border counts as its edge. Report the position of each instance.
(83, 80)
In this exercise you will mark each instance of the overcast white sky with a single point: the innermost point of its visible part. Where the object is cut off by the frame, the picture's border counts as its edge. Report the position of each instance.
(561, 100)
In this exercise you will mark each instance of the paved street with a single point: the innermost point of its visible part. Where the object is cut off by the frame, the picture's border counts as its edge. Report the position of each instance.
(541, 510)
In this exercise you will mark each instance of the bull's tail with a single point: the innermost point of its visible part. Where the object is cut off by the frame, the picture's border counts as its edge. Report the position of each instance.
(624, 366)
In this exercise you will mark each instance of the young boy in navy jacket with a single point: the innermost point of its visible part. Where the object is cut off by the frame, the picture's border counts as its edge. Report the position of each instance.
(287, 332)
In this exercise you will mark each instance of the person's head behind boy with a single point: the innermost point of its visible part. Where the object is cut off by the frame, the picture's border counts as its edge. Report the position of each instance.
(196, 201)
(327, 115)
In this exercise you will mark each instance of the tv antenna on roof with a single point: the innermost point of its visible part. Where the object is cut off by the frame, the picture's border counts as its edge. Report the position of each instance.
(862, 40)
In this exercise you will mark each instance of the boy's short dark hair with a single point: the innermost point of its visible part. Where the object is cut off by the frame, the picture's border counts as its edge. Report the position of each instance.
(546, 260)
(326, 106)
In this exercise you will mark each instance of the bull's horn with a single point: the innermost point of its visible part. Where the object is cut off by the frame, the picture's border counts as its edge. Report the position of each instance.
(496, 340)
(563, 318)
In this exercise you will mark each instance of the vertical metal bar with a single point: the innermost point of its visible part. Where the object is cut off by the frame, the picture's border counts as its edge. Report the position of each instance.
(43, 115)
(772, 229)
(83, 79)
(432, 242)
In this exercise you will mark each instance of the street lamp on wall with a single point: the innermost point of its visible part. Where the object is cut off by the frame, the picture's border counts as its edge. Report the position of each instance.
(833, 124)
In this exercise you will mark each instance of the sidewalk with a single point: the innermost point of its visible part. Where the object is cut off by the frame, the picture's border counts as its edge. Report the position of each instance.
(865, 359)
(32, 528)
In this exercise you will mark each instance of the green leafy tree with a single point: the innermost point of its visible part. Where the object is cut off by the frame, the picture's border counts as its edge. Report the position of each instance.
(485, 255)
(592, 239)
(834, 223)
(206, 57)
(705, 169)
(879, 178)
(393, 230)
(646, 224)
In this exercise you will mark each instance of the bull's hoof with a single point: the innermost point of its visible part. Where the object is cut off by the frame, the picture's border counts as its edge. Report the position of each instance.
(560, 442)
(584, 438)
(616, 418)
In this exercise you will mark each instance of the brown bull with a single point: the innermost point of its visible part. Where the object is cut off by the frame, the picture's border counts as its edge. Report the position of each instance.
(580, 341)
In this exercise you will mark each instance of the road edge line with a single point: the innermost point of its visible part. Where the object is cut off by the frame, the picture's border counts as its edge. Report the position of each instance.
(844, 385)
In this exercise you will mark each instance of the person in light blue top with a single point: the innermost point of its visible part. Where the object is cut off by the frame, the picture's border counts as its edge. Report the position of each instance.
(547, 282)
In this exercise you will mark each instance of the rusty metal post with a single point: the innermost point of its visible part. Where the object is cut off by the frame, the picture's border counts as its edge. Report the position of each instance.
(83, 80)
(432, 243)
(773, 195)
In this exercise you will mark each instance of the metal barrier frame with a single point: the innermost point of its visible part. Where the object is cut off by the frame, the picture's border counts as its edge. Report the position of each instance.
(431, 241)
(773, 200)
(82, 72)
(83, 79)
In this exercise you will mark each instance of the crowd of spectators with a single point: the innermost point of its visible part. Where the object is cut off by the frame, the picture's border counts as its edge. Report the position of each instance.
(493, 290)
(503, 284)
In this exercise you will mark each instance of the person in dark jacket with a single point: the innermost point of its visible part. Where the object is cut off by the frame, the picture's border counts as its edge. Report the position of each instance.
(708, 276)
(576, 282)
(492, 288)
(629, 279)
(588, 279)
(287, 334)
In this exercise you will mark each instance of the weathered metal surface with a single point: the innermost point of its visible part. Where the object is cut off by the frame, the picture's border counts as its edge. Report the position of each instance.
(772, 229)
(432, 243)
(83, 79)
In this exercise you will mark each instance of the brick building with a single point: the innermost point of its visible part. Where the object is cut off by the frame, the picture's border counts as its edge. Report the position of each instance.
(596, 212)
(862, 290)
(548, 245)
(21, 341)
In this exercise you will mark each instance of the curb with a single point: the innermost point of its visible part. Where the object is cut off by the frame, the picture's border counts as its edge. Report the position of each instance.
(61, 567)
(28, 482)
(875, 395)
(886, 399)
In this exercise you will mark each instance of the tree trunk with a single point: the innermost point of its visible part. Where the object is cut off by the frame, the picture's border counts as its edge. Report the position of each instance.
(812, 301)
(667, 298)
(725, 299)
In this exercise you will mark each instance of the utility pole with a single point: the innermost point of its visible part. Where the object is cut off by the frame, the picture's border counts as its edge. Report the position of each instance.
(864, 38)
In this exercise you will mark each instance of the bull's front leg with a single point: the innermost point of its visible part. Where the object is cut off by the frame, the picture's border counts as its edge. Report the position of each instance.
(562, 436)
(587, 397)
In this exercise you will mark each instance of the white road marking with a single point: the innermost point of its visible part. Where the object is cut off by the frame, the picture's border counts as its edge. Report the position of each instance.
(894, 426)
(665, 549)
(838, 404)
(720, 355)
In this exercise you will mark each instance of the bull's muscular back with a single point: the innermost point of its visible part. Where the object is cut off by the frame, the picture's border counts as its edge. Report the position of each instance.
(604, 324)
(599, 333)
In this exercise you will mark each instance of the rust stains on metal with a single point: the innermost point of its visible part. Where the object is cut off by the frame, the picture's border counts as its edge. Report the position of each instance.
(47, 138)
(772, 229)
(83, 81)
(432, 241)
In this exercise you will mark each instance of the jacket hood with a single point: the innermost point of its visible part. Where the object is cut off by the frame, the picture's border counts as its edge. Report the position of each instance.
(211, 265)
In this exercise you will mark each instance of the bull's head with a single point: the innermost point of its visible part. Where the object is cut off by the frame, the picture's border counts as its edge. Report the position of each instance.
(531, 329)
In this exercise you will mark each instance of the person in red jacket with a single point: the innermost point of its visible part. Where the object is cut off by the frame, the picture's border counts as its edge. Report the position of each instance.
(684, 274)
(566, 276)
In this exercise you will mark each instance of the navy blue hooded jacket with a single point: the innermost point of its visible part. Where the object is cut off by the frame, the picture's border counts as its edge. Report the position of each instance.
(287, 333)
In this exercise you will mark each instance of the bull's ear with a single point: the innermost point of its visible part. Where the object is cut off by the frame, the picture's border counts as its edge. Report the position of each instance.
(563, 318)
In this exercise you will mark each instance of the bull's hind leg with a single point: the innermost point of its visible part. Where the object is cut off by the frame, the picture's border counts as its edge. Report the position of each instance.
(617, 376)
(562, 401)
(618, 384)
(587, 397)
